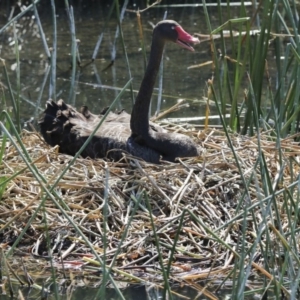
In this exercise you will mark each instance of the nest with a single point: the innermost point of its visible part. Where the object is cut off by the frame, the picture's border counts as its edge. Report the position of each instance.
(186, 216)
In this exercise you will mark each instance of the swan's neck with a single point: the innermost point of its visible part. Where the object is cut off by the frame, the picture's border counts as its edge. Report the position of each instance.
(139, 121)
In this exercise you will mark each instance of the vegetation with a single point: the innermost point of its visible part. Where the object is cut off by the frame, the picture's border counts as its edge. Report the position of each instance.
(231, 214)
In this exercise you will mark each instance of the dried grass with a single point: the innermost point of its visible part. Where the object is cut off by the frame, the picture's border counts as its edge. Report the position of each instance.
(209, 186)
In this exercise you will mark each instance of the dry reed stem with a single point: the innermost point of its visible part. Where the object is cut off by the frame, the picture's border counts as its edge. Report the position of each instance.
(209, 186)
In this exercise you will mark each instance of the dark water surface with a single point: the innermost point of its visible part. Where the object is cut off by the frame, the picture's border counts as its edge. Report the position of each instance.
(94, 86)
(132, 292)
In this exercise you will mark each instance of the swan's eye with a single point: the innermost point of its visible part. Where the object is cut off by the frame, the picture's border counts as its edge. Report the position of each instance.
(173, 27)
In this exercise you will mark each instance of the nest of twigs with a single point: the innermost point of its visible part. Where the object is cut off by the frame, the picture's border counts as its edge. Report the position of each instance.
(135, 211)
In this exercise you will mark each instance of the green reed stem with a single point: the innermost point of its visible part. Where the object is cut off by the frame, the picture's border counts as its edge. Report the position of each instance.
(18, 74)
(74, 52)
(15, 105)
(40, 27)
(157, 243)
(120, 17)
(52, 91)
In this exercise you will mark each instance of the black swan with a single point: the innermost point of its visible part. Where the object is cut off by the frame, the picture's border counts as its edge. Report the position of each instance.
(62, 125)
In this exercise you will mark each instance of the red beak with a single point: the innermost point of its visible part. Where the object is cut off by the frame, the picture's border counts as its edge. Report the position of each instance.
(184, 39)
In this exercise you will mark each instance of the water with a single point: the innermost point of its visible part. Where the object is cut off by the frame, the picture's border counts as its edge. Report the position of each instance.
(73, 291)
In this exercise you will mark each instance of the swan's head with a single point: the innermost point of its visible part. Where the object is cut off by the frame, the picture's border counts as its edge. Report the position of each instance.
(171, 31)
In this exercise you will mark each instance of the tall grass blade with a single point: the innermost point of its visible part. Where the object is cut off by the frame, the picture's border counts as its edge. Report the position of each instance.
(50, 255)
(18, 81)
(42, 34)
(229, 22)
(74, 46)
(229, 141)
(74, 56)
(41, 92)
(160, 81)
(120, 16)
(15, 105)
(167, 288)
(52, 87)
(105, 272)
(98, 44)
(141, 35)
(3, 184)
